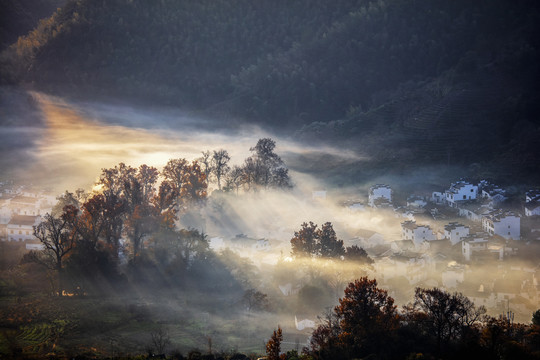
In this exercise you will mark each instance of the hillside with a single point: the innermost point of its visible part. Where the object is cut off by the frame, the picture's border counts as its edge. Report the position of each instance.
(405, 80)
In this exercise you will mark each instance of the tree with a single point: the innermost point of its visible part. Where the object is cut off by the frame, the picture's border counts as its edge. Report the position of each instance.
(536, 318)
(304, 242)
(329, 245)
(265, 168)
(206, 163)
(184, 182)
(444, 315)
(195, 185)
(220, 167)
(313, 242)
(174, 173)
(255, 300)
(160, 340)
(64, 200)
(234, 179)
(357, 254)
(58, 240)
(147, 177)
(273, 346)
(363, 323)
(366, 315)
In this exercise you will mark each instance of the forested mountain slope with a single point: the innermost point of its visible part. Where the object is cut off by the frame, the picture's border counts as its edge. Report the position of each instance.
(431, 80)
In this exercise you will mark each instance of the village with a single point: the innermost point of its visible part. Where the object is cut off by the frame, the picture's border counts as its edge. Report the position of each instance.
(467, 238)
(463, 239)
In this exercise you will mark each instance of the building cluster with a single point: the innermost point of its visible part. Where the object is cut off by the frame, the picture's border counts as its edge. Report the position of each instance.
(445, 233)
(21, 209)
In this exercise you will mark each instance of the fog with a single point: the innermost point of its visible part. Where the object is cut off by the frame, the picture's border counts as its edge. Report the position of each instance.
(65, 144)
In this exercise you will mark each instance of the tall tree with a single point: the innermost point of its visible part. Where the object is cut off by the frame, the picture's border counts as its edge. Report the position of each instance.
(265, 168)
(363, 323)
(443, 314)
(185, 181)
(357, 254)
(234, 179)
(313, 242)
(220, 164)
(304, 242)
(329, 245)
(58, 240)
(206, 163)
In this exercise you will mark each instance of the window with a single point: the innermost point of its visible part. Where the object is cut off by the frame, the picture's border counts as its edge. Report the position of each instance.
(464, 197)
(472, 190)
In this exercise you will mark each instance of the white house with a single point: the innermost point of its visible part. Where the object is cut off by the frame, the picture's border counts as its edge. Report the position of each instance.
(532, 195)
(494, 194)
(304, 324)
(24, 205)
(366, 239)
(20, 227)
(437, 197)
(288, 289)
(379, 194)
(417, 233)
(460, 191)
(473, 244)
(502, 223)
(455, 232)
(473, 211)
(532, 203)
(532, 208)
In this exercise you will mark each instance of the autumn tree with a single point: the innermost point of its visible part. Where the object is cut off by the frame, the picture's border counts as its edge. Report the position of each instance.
(184, 182)
(58, 240)
(367, 315)
(273, 346)
(365, 318)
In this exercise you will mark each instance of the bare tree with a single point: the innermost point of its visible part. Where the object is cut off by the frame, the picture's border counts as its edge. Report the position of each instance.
(234, 179)
(220, 164)
(206, 163)
(58, 240)
(160, 340)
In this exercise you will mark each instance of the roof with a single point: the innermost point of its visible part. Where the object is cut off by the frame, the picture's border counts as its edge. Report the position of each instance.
(364, 234)
(454, 188)
(23, 220)
(453, 225)
(25, 200)
(497, 215)
(409, 224)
